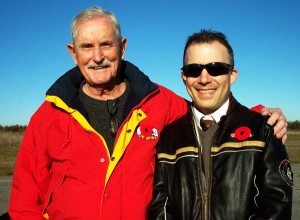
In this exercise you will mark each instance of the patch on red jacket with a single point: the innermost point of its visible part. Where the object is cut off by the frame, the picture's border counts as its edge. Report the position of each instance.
(147, 132)
(286, 172)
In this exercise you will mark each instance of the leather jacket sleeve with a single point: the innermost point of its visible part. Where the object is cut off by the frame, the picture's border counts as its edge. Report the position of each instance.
(159, 205)
(274, 182)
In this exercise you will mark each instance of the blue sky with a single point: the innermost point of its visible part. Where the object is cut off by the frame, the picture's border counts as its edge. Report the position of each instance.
(265, 35)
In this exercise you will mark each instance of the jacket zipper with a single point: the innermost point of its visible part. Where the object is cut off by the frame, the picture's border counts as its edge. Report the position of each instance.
(209, 179)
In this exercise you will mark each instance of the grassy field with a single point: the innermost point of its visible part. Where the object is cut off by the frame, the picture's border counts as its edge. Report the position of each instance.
(293, 146)
(9, 146)
(10, 142)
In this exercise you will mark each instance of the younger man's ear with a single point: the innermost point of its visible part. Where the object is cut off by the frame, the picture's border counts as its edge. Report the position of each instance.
(233, 76)
(183, 77)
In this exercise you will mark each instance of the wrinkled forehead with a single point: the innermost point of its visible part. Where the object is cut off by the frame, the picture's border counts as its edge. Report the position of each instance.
(101, 25)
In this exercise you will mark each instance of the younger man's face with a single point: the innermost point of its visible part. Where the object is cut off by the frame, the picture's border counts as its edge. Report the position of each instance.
(208, 92)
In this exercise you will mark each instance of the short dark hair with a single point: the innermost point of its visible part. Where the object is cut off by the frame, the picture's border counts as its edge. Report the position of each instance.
(209, 36)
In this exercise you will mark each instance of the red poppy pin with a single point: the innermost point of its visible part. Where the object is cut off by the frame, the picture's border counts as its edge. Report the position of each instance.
(147, 132)
(242, 133)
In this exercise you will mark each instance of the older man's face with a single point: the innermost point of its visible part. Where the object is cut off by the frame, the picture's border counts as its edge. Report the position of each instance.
(97, 51)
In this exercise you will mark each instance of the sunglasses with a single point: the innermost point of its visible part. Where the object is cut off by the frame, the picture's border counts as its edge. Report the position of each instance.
(112, 110)
(214, 69)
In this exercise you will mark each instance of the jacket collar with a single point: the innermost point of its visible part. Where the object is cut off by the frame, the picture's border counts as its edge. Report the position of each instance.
(67, 87)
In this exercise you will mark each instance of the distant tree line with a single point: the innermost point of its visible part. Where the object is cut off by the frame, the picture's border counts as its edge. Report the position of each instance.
(14, 128)
(292, 125)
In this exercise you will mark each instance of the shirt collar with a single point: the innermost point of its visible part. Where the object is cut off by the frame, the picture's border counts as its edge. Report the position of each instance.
(215, 115)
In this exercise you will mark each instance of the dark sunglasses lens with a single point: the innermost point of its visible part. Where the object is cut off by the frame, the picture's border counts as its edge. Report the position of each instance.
(192, 70)
(214, 69)
(217, 69)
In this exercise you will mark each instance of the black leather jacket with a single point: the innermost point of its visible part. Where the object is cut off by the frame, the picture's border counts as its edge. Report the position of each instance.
(250, 175)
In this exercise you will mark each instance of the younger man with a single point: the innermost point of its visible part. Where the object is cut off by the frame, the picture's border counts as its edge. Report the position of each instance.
(236, 169)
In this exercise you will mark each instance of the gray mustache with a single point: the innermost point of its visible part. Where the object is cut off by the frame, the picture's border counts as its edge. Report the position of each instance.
(100, 65)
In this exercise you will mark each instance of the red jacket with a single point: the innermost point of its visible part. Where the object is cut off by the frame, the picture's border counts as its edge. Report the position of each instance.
(64, 169)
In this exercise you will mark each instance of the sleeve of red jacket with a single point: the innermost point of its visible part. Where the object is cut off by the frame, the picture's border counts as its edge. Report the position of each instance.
(175, 105)
(257, 108)
(29, 181)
